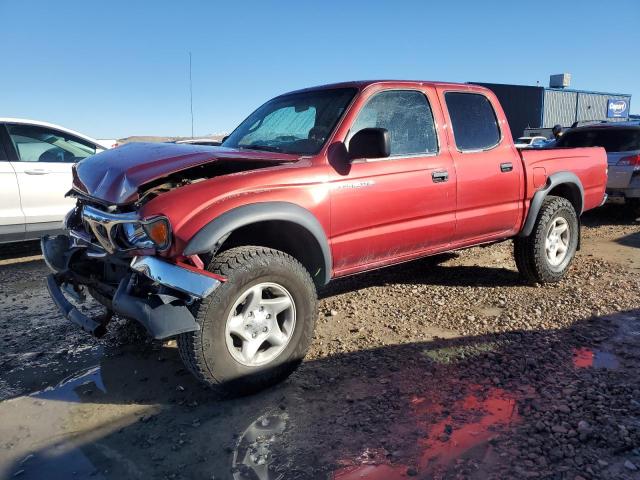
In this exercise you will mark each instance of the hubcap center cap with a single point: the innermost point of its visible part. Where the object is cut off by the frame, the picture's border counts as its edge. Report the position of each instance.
(258, 323)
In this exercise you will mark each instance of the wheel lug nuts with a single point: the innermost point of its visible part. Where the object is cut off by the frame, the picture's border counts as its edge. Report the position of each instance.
(268, 316)
(265, 329)
(261, 308)
(254, 335)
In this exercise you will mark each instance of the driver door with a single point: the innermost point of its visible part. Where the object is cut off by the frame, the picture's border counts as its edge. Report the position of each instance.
(42, 159)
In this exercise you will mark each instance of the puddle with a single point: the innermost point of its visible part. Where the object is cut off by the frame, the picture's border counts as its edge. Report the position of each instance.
(56, 433)
(252, 456)
(473, 422)
(75, 388)
(58, 463)
(590, 358)
(464, 427)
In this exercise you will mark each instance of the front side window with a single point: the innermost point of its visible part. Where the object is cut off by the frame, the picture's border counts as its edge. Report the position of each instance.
(39, 144)
(407, 116)
(298, 123)
(474, 122)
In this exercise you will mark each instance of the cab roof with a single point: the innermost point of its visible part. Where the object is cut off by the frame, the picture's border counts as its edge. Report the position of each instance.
(362, 84)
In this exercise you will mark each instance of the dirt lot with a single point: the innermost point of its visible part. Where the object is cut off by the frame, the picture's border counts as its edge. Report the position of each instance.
(443, 368)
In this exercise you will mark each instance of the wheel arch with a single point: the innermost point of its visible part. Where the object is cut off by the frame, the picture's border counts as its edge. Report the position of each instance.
(280, 225)
(562, 184)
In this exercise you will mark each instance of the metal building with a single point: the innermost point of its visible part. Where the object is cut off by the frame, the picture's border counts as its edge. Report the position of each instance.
(537, 109)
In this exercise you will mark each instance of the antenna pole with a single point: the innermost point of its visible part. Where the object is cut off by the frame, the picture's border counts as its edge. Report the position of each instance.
(191, 94)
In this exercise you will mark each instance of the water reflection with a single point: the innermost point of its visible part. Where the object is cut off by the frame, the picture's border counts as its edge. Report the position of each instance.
(463, 426)
(586, 357)
(252, 457)
(74, 388)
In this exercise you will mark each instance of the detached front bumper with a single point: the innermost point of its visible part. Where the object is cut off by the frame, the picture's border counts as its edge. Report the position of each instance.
(162, 308)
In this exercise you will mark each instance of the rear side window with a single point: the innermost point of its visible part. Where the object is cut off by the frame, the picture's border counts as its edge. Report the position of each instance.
(613, 139)
(474, 123)
(407, 116)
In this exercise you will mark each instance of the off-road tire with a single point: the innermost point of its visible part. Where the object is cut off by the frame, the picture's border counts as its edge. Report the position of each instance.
(529, 252)
(205, 353)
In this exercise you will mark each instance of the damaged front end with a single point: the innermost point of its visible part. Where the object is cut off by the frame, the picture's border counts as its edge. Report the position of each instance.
(112, 255)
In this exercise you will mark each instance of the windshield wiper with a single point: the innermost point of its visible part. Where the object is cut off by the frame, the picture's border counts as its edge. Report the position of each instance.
(266, 148)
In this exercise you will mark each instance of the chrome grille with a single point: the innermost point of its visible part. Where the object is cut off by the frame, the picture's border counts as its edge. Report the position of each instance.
(104, 226)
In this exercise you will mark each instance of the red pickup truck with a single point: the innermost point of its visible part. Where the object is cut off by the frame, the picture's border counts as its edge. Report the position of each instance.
(225, 247)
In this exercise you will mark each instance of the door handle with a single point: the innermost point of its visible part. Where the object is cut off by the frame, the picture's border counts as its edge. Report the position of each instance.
(440, 176)
(506, 167)
(37, 171)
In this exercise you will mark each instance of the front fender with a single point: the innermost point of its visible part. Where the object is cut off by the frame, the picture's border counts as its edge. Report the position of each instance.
(213, 234)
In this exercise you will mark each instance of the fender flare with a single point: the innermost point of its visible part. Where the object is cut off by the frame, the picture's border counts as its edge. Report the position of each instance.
(214, 233)
(555, 179)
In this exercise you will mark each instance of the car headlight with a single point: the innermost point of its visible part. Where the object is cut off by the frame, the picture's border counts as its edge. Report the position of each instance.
(154, 232)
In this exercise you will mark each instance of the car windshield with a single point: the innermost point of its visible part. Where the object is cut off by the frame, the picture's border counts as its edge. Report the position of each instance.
(298, 123)
(613, 139)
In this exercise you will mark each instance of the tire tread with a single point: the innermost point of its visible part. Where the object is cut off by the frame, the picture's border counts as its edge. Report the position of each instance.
(190, 345)
(531, 264)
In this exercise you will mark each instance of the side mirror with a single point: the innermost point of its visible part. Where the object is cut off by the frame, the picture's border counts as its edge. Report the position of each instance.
(370, 143)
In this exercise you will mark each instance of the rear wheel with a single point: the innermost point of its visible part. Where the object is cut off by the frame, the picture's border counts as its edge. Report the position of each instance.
(546, 254)
(257, 326)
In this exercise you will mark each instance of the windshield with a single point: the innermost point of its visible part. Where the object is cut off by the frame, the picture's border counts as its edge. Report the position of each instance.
(299, 123)
(613, 139)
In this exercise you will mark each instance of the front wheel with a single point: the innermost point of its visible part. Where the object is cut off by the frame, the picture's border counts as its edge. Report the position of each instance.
(257, 326)
(546, 254)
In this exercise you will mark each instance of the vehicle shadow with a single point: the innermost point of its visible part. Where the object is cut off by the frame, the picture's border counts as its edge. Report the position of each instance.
(609, 214)
(631, 240)
(426, 271)
(19, 249)
(491, 406)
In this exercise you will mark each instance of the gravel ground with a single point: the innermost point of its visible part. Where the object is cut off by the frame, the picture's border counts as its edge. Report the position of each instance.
(447, 367)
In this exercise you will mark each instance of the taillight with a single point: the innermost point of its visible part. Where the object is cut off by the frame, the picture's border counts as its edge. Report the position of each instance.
(630, 161)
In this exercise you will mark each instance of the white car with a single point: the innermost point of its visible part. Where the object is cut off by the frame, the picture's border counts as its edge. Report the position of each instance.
(528, 142)
(35, 174)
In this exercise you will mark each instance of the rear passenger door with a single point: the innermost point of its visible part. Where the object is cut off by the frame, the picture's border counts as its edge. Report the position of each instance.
(488, 168)
(387, 209)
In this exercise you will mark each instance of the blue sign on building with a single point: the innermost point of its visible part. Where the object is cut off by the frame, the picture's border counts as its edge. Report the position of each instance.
(617, 108)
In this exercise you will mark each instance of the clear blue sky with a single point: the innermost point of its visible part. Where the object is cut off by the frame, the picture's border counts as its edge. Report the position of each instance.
(118, 68)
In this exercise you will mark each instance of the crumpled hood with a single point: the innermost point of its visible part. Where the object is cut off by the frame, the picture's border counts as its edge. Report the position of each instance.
(114, 176)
